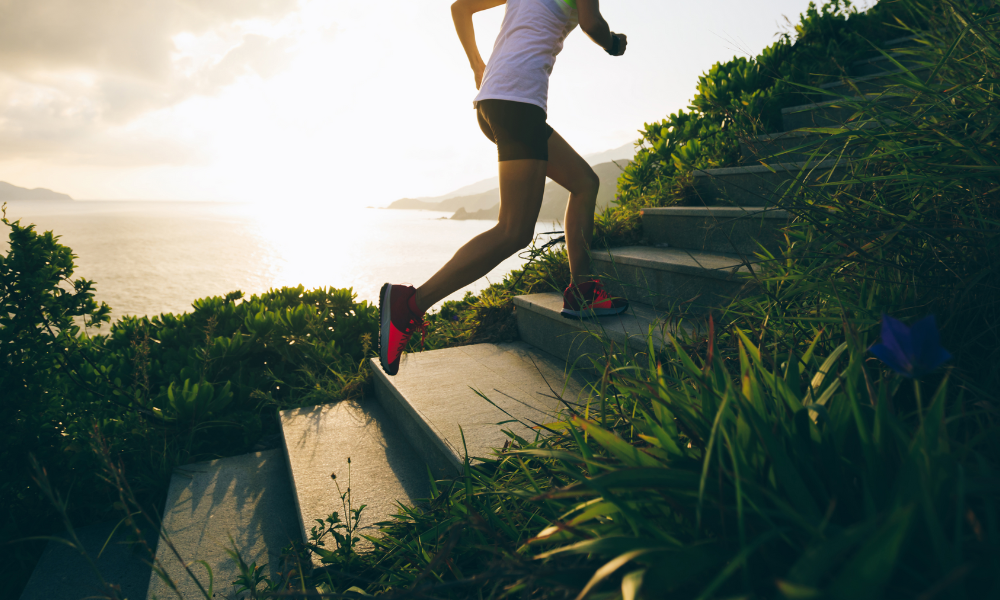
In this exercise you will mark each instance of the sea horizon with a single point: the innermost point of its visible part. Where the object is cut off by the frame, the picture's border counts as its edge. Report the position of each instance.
(148, 257)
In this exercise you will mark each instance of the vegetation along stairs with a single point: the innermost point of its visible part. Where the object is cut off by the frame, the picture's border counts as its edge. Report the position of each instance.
(457, 404)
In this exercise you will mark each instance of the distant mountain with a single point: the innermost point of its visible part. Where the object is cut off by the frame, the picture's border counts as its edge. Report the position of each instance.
(556, 196)
(486, 193)
(472, 202)
(625, 152)
(12, 192)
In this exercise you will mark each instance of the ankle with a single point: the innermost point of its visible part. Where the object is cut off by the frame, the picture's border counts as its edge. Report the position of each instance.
(415, 306)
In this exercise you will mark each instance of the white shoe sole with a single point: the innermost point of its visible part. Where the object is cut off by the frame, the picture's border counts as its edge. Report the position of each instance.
(384, 314)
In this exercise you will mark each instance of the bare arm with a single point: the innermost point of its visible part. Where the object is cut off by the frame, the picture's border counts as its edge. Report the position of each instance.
(594, 25)
(461, 13)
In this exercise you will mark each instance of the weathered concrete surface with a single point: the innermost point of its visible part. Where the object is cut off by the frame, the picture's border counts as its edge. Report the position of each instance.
(671, 279)
(434, 398)
(735, 230)
(787, 146)
(247, 497)
(384, 468)
(760, 185)
(878, 81)
(578, 341)
(63, 574)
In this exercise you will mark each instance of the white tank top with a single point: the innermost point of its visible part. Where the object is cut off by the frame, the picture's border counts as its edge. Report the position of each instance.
(532, 34)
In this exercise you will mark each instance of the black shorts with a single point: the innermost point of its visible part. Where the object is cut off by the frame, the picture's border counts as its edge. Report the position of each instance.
(518, 129)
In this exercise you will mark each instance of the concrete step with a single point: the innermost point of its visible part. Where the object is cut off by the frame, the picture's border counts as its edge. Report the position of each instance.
(434, 398)
(877, 65)
(868, 84)
(798, 146)
(836, 113)
(787, 146)
(671, 280)
(384, 469)
(247, 497)
(581, 341)
(906, 41)
(735, 230)
(759, 185)
(62, 573)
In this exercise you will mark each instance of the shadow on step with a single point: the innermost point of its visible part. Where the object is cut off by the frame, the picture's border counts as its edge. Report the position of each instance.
(384, 469)
(246, 497)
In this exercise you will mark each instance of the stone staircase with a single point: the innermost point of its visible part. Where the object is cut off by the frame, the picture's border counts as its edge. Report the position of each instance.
(447, 405)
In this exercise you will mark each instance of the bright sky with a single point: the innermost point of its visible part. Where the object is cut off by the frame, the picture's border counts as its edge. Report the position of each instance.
(308, 101)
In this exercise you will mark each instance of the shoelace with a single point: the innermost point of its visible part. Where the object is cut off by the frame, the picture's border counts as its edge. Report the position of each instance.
(412, 328)
(600, 295)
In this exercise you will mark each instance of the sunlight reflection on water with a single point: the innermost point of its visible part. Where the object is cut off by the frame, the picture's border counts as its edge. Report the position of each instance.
(153, 257)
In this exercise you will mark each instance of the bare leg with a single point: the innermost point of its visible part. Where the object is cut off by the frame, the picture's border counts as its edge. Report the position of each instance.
(570, 170)
(522, 184)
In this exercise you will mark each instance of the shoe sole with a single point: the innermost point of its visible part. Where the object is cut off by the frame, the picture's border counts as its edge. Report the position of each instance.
(592, 313)
(384, 316)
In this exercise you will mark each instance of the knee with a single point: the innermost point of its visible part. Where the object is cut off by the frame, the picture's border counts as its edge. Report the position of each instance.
(524, 238)
(592, 181)
(517, 238)
(587, 184)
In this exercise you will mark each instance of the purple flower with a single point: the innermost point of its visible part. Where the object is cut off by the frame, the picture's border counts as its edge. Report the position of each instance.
(910, 351)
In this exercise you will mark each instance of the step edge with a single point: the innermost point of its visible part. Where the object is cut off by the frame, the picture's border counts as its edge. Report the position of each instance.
(794, 133)
(291, 478)
(733, 212)
(722, 273)
(905, 38)
(764, 169)
(632, 341)
(798, 133)
(828, 103)
(880, 57)
(844, 81)
(446, 457)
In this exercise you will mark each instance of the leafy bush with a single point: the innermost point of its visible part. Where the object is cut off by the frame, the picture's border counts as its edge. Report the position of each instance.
(40, 305)
(744, 97)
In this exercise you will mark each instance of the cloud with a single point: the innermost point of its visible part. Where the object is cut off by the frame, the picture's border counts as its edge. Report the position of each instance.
(74, 74)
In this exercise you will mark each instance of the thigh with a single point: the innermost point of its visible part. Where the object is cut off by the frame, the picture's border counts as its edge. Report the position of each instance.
(566, 167)
(518, 129)
(522, 185)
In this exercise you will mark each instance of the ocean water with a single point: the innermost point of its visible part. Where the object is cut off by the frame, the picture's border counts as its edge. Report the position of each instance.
(148, 258)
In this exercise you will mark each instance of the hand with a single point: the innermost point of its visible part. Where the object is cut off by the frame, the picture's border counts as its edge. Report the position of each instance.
(622, 42)
(478, 72)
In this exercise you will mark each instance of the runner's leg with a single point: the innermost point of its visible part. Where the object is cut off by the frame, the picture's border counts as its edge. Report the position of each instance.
(570, 170)
(522, 184)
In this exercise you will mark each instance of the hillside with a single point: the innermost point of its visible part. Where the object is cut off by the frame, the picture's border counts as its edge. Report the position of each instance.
(555, 198)
(471, 202)
(12, 192)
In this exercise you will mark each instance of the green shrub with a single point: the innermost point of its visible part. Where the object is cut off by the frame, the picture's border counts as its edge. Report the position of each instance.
(744, 97)
(41, 306)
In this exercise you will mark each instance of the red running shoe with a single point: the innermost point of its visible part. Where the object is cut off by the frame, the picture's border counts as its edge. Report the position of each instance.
(398, 322)
(590, 299)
